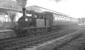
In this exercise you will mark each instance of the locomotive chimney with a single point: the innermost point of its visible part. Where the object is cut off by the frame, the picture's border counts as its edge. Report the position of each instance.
(24, 11)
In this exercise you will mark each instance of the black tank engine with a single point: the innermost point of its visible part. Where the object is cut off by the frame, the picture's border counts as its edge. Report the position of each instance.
(34, 24)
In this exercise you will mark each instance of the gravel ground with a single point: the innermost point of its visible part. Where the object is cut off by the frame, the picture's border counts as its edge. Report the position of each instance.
(78, 44)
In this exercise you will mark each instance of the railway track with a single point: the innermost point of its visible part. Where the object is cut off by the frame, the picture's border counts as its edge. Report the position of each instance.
(27, 42)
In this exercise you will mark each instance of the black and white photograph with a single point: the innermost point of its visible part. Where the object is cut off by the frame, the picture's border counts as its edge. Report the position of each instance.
(42, 25)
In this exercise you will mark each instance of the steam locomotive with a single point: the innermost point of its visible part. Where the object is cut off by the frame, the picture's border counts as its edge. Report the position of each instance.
(34, 23)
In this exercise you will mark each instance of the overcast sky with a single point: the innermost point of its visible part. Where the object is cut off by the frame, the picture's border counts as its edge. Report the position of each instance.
(72, 8)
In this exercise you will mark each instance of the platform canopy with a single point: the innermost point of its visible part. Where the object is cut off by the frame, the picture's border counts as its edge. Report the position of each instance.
(17, 5)
(12, 5)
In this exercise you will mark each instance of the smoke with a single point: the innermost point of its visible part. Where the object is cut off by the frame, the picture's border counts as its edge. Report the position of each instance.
(22, 2)
(73, 8)
(56, 0)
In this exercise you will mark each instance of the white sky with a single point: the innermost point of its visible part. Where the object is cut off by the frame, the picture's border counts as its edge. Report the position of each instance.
(72, 8)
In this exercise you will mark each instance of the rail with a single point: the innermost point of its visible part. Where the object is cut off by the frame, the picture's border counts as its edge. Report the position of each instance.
(27, 42)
